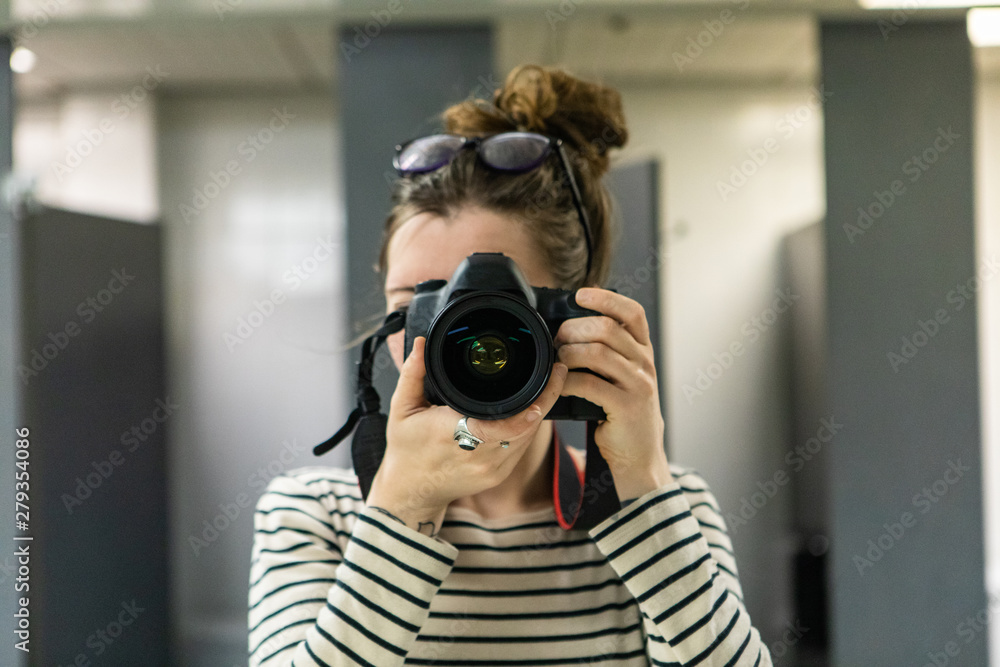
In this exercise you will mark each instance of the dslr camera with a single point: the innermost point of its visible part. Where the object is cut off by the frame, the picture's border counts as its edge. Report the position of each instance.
(489, 351)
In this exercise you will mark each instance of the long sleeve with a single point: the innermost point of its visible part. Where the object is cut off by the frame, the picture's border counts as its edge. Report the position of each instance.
(673, 552)
(335, 583)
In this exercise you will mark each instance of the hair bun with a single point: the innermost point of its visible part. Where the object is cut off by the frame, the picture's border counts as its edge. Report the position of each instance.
(587, 116)
(528, 98)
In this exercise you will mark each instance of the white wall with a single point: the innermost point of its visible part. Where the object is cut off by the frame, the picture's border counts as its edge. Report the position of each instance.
(93, 152)
(988, 229)
(262, 402)
(723, 270)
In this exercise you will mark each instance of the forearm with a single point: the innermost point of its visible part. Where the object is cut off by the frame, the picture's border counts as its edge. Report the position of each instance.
(380, 600)
(312, 605)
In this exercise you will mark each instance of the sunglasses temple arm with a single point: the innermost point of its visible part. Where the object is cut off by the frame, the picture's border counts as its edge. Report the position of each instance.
(578, 203)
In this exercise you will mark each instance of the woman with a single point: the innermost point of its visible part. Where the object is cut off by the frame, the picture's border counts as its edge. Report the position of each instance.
(456, 557)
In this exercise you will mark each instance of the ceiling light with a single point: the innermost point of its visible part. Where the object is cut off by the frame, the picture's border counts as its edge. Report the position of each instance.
(914, 5)
(22, 60)
(984, 26)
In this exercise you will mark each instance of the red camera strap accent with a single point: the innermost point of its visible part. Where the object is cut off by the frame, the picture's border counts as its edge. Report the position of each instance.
(582, 498)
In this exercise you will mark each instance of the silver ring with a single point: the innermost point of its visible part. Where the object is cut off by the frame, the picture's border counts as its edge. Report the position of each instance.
(464, 438)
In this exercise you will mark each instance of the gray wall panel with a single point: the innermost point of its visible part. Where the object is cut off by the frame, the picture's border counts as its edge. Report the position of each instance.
(9, 388)
(393, 90)
(638, 258)
(92, 366)
(904, 422)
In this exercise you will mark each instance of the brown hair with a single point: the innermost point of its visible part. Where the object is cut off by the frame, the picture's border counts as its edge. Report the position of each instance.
(588, 118)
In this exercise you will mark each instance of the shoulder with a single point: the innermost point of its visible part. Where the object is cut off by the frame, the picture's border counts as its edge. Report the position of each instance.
(704, 506)
(315, 501)
(336, 489)
(689, 478)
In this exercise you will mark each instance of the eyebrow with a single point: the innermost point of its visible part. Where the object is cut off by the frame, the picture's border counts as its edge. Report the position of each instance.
(399, 289)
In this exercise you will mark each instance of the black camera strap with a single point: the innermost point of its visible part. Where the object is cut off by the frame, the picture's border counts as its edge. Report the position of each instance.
(582, 499)
(368, 445)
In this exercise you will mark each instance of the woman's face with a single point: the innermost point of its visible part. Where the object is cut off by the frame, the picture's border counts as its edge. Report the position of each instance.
(428, 247)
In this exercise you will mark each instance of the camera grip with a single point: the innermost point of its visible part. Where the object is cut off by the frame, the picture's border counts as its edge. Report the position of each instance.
(574, 408)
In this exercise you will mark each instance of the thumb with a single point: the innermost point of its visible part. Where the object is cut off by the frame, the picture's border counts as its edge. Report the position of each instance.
(409, 394)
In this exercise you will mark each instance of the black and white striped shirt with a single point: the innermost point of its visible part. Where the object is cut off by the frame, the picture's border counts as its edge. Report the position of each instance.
(333, 582)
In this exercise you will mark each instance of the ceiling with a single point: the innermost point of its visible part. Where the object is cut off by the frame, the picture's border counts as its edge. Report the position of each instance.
(626, 42)
(196, 55)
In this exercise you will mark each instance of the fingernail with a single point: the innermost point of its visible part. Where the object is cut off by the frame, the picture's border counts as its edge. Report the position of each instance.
(533, 415)
(561, 368)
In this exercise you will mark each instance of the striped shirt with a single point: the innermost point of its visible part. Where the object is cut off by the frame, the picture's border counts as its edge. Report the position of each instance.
(333, 582)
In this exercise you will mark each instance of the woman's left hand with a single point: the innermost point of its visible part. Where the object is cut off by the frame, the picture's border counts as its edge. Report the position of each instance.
(616, 345)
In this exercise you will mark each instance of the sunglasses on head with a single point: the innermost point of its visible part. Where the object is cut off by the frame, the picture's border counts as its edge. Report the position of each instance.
(512, 152)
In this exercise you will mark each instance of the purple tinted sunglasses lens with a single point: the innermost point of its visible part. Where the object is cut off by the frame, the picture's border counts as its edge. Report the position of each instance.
(514, 151)
(428, 153)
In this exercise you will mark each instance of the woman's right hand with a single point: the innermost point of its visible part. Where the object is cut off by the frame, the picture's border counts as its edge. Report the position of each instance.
(424, 469)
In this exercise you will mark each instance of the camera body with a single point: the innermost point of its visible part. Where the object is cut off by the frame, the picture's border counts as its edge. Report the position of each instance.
(489, 350)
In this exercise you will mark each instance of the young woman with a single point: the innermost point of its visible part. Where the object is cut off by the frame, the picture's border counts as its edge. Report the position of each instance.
(456, 556)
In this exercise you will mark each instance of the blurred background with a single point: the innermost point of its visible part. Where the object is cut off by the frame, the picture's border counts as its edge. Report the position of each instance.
(193, 194)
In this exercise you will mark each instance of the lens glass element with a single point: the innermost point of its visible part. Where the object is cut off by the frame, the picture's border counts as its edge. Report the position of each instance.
(488, 355)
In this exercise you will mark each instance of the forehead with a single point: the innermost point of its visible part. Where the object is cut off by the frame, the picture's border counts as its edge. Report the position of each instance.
(428, 246)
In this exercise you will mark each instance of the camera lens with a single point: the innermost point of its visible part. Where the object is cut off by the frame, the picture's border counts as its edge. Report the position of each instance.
(488, 355)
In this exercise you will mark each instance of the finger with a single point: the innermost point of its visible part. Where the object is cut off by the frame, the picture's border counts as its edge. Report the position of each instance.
(601, 359)
(617, 306)
(549, 395)
(602, 329)
(394, 343)
(516, 426)
(409, 394)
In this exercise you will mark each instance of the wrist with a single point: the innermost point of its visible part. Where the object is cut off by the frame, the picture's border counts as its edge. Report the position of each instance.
(404, 503)
(423, 523)
(407, 516)
(636, 481)
(424, 518)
